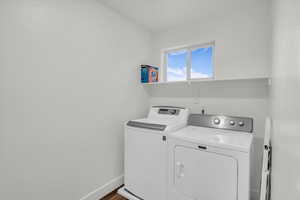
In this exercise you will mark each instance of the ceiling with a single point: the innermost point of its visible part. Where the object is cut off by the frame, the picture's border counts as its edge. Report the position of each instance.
(159, 15)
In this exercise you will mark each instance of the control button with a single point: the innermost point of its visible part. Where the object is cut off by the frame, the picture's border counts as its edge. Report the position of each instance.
(172, 112)
(217, 121)
(241, 123)
(232, 123)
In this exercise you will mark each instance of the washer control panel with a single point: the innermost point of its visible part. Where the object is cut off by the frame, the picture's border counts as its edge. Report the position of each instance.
(244, 124)
(168, 111)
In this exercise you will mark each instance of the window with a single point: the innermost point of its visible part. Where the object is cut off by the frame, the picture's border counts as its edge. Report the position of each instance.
(176, 70)
(194, 62)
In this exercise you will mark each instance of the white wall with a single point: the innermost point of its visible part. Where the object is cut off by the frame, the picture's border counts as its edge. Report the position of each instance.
(69, 79)
(243, 40)
(285, 100)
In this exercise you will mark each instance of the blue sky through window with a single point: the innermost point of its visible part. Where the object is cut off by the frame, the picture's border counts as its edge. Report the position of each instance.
(176, 70)
(202, 63)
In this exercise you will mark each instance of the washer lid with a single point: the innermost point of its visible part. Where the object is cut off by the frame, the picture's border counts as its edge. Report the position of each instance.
(161, 125)
(162, 119)
(238, 141)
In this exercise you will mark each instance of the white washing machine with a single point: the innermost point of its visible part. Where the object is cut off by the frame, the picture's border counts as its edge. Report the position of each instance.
(210, 159)
(146, 152)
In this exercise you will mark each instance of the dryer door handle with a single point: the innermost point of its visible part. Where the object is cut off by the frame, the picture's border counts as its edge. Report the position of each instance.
(179, 170)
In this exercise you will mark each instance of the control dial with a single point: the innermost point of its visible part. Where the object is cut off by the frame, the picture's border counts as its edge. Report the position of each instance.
(232, 123)
(217, 121)
(241, 123)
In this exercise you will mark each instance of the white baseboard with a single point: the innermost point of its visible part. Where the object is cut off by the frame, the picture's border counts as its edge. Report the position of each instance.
(105, 189)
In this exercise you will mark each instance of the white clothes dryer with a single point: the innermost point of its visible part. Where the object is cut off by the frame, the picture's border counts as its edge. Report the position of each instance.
(210, 159)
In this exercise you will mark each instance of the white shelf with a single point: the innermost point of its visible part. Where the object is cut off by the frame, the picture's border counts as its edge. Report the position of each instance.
(265, 80)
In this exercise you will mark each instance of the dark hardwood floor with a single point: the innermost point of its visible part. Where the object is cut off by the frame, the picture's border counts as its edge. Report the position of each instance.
(113, 196)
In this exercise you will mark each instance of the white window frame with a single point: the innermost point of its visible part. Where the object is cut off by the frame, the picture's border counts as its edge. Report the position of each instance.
(189, 49)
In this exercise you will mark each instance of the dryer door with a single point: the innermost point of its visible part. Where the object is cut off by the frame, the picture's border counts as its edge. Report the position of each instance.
(203, 175)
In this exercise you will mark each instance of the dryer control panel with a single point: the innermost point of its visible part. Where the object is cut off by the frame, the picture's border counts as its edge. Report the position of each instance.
(244, 124)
